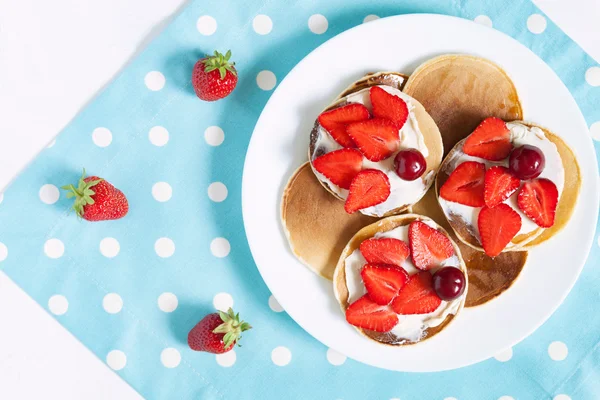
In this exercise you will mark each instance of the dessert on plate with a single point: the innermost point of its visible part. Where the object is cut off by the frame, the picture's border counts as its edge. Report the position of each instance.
(500, 187)
(401, 280)
(375, 147)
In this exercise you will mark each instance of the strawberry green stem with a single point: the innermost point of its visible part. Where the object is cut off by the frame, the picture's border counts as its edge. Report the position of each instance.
(219, 62)
(232, 327)
(82, 193)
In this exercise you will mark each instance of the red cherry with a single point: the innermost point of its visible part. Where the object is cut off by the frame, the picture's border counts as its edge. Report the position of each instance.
(449, 283)
(410, 164)
(526, 162)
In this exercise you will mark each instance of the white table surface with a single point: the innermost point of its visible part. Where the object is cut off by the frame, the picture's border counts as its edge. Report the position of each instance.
(54, 57)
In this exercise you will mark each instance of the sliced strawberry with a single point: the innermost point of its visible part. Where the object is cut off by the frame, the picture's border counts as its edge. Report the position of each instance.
(388, 106)
(376, 138)
(383, 281)
(465, 185)
(500, 184)
(336, 120)
(417, 296)
(428, 246)
(384, 251)
(490, 140)
(538, 200)
(365, 313)
(368, 188)
(340, 166)
(497, 227)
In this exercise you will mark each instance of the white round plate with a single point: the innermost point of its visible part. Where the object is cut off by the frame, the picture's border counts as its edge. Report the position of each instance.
(279, 145)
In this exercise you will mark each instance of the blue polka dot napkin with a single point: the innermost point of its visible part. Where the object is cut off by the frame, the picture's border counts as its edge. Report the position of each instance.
(131, 289)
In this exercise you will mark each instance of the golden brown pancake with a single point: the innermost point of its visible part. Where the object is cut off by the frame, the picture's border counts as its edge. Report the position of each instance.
(566, 204)
(430, 131)
(315, 223)
(488, 277)
(460, 91)
(341, 290)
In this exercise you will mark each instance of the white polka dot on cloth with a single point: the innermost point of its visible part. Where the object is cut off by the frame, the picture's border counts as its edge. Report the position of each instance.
(370, 17)
(170, 357)
(318, 24)
(214, 135)
(395, 398)
(116, 359)
(112, 303)
(54, 248)
(49, 194)
(58, 304)
(505, 398)
(154, 80)
(167, 302)
(274, 304)
(206, 25)
(281, 356)
(226, 359)
(561, 397)
(536, 23)
(558, 351)
(592, 76)
(222, 301)
(594, 131)
(3, 251)
(483, 20)
(101, 137)
(262, 24)
(162, 191)
(220, 247)
(266, 80)
(109, 247)
(164, 247)
(217, 192)
(505, 355)
(158, 136)
(335, 358)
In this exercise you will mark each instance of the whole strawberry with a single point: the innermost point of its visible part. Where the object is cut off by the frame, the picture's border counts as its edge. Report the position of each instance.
(96, 199)
(214, 77)
(217, 332)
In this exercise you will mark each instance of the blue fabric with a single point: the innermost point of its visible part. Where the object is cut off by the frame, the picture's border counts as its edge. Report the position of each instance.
(128, 109)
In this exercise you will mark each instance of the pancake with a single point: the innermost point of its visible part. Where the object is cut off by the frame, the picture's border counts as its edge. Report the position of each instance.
(488, 277)
(566, 204)
(429, 130)
(341, 290)
(459, 91)
(315, 223)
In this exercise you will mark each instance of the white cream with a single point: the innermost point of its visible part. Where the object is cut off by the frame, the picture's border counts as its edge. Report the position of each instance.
(519, 136)
(409, 327)
(402, 192)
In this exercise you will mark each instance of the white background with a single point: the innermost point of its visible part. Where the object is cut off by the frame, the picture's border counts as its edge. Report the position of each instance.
(54, 57)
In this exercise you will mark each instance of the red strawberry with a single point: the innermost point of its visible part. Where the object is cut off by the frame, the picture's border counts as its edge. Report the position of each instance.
(365, 313)
(384, 251)
(217, 332)
(214, 77)
(376, 138)
(96, 199)
(538, 200)
(388, 106)
(340, 166)
(465, 185)
(497, 227)
(417, 296)
(428, 246)
(368, 188)
(500, 184)
(383, 282)
(336, 120)
(490, 140)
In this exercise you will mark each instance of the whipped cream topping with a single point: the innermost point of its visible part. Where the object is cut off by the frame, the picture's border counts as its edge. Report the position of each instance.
(409, 327)
(519, 135)
(402, 192)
